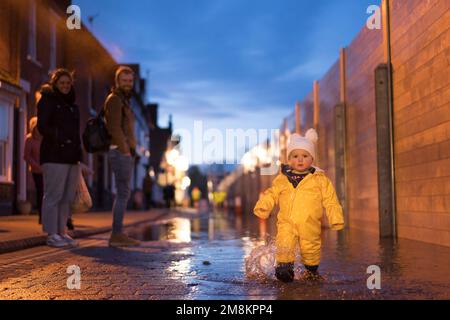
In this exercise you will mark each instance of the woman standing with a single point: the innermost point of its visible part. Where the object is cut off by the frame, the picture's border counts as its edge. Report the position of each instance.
(31, 156)
(59, 125)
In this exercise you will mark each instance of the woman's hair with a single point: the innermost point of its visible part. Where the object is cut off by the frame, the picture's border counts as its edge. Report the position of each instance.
(58, 73)
(33, 126)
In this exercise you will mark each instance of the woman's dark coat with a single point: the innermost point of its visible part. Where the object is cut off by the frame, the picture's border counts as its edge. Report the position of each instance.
(59, 125)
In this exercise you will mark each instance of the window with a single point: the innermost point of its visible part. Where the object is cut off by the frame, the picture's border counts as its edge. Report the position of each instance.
(4, 131)
(32, 26)
(52, 46)
(2, 159)
(6, 139)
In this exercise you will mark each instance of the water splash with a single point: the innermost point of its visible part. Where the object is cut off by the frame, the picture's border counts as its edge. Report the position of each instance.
(260, 264)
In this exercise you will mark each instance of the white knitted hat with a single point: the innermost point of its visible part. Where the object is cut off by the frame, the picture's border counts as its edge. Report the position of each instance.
(307, 142)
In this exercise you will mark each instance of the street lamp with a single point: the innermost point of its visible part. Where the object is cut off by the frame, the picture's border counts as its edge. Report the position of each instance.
(248, 162)
(181, 163)
(172, 156)
(185, 183)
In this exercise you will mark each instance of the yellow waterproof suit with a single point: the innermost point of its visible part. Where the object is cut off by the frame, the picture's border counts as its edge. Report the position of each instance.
(300, 214)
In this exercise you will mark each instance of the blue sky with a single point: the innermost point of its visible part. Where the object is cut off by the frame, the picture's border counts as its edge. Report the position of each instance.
(230, 63)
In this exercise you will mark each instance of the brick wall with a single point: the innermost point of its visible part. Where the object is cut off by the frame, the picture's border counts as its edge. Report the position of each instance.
(420, 47)
(9, 46)
(421, 57)
(363, 56)
(36, 72)
(9, 75)
(84, 54)
(329, 98)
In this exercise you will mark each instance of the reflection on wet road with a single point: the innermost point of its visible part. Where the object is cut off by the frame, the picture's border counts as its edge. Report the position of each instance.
(212, 255)
(215, 247)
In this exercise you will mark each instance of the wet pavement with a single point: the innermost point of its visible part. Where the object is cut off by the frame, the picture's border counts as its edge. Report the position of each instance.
(192, 255)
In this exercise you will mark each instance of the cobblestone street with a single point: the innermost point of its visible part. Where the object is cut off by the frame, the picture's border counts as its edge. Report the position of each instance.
(202, 256)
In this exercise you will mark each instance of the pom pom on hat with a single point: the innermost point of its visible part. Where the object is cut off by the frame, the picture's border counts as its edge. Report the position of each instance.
(306, 143)
(311, 135)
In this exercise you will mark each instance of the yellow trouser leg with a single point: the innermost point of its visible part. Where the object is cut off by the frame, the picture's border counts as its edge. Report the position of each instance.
(286, 242)
(310, 252)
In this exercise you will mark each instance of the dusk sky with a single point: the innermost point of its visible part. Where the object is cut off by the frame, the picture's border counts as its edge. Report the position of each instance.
(230, 63)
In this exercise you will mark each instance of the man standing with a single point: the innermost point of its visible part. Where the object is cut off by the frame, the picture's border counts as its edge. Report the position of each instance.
(120, 124)
(147, 188)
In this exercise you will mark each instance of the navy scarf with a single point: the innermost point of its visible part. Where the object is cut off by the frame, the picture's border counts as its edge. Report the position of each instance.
(295, 178)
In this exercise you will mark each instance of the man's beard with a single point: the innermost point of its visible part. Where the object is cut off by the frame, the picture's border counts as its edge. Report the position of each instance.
(127, 91)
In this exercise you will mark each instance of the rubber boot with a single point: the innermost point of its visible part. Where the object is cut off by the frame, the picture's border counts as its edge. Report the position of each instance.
(285, 272)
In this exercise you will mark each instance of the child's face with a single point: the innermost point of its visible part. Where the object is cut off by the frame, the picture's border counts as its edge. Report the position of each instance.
(300, 160)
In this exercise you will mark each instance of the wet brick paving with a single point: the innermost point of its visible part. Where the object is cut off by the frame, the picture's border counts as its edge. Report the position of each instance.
(202, 256)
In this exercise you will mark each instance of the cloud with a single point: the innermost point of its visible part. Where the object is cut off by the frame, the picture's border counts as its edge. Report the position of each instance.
(310, 69)
(221, 115)
(214, 9)
(210, 97)
(230, 63)
(329, 31)
(253, 53)
(201, 98)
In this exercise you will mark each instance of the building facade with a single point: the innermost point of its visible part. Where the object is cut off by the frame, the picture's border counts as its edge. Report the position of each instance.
(35, 40)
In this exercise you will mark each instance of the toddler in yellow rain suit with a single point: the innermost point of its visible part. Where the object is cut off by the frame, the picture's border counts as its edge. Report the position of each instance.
(302, 191)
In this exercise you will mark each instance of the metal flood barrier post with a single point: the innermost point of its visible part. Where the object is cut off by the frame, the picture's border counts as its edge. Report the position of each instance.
(340, 138)
(386, 195)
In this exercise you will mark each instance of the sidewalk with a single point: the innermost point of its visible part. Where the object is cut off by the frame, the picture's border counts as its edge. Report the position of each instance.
(21, 232)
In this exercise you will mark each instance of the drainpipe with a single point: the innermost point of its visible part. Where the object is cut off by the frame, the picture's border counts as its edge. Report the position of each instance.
(316, 118)
(385, 135)
(391, 115)
(341, 138)
(297, 118)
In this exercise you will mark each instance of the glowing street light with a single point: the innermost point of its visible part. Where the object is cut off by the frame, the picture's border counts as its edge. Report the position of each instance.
(172, 156)
(181, 163)
(249, 161)
(185, 183)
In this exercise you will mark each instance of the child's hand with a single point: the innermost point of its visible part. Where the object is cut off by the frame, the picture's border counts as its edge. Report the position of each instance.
(262, 214)
(337, 226)
(265, 204)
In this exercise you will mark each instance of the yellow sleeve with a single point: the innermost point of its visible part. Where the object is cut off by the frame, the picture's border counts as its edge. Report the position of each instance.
(331, 204)
(266, 202)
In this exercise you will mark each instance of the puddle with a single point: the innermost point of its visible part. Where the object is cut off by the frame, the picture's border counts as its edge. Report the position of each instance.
(261, 262)
(231, 253)
(176, 230)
